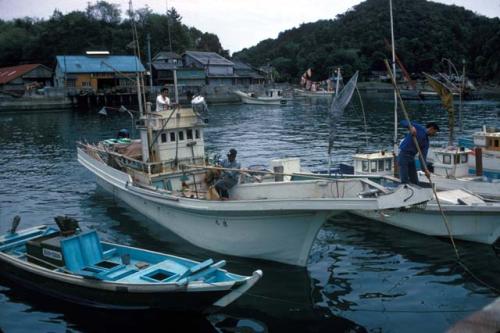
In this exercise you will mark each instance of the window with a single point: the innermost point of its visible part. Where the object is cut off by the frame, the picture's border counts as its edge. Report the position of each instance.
(181, 135)
(172, 136)
(189, 134)
(373, 166)
(446, 159)
(163, 137)
(365, 166)
(457, 159)
(464, 158)
(388, 164)
(496, 143)
(380, 165)
(197, 134)
(86, 84)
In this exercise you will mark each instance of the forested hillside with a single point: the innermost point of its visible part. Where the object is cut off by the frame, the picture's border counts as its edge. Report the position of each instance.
(425, 33)
(100, 27)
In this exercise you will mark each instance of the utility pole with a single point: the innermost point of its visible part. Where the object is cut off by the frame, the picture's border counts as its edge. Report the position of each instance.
(150, 67)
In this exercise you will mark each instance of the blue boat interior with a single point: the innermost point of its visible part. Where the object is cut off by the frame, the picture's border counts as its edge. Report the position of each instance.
(83, 254)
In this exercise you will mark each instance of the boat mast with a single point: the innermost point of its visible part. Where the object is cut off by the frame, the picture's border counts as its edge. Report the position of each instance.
(395, 140)
(174, 71)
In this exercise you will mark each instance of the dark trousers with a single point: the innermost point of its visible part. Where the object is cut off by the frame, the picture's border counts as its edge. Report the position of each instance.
(407, 168)
(222, 188)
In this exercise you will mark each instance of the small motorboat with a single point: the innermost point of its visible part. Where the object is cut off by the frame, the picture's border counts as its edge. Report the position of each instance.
(77, 267)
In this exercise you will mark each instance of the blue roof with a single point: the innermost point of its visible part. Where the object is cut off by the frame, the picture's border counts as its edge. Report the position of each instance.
(99, 64)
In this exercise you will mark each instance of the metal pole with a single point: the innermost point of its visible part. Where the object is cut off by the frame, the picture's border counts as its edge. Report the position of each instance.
(395, 139)
(150, 67)
(175, 87)
(461, 97)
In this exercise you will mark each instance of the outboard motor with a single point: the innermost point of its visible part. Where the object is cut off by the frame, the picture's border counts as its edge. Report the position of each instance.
(200, 107)
(67, 225)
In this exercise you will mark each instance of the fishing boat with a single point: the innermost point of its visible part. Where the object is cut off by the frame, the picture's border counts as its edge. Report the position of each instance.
(77, 267)
(468, 216)
(310, 88)
(316, 93)
(164, 175)
(271, 97)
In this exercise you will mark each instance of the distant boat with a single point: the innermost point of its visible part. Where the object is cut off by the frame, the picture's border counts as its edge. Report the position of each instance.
(317, 93)
(80, 269)
(271, 97)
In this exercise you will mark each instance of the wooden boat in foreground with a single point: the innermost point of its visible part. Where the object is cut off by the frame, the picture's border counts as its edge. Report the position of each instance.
(81, 269)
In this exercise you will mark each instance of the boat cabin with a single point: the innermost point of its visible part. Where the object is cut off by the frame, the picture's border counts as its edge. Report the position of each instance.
(172, 137)
(379, 163)
(489, 139)
(275, 93)
(451, 162)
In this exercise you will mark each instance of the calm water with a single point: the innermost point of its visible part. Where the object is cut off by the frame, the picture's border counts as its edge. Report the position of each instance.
(362, 276)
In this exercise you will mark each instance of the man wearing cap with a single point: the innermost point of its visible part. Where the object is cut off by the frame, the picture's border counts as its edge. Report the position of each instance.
(408, 151)
(228, 178)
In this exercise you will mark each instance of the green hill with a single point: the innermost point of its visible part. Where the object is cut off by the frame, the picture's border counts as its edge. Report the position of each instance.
(425, 33)
(100, 27)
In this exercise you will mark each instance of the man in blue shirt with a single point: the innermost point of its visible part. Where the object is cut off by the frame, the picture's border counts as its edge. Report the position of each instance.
(408, 151)
(228, 178)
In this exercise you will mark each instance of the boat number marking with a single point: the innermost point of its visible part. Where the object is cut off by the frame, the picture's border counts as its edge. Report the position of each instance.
(221, 222)
(52, 254)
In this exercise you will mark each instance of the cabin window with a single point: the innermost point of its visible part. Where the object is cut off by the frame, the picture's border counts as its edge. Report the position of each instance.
(197, 134)
(373, 166)
(489, 142)
(181, 135)
(172, 136)
(446, 159)
(464, 158)
(365, 166)
(388, 164)
(163, 137)
(496, 143)
(457, 159)
(381, 165)
(189, 134)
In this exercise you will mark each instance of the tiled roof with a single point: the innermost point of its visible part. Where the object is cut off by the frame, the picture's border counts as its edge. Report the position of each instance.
(166, 55)
(207, 58)
(8, 74)
(99, 64)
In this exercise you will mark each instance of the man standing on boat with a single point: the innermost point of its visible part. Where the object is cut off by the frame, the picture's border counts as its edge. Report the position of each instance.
(162, 101)
(408, 151)
(228, 178)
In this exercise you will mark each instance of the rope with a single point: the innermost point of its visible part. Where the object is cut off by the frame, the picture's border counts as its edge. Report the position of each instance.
(421, 157)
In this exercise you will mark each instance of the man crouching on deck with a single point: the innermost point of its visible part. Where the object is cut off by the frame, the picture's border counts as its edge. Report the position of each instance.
(228, 178)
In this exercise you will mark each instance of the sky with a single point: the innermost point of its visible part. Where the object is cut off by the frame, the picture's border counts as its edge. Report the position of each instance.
(237, 23)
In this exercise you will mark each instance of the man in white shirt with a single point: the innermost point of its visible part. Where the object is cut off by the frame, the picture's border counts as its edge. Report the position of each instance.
(162, 101)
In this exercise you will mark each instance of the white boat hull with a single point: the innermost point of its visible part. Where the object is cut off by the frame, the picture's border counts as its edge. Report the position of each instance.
(281, 230)
(247, 99)
(469, 223)
(307, 93)
(485, 189)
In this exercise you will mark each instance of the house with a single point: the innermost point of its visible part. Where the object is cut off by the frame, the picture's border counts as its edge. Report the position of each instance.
(163, 65)
(218, 70)
(97, 71)
(22, 78)
(245, 74)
